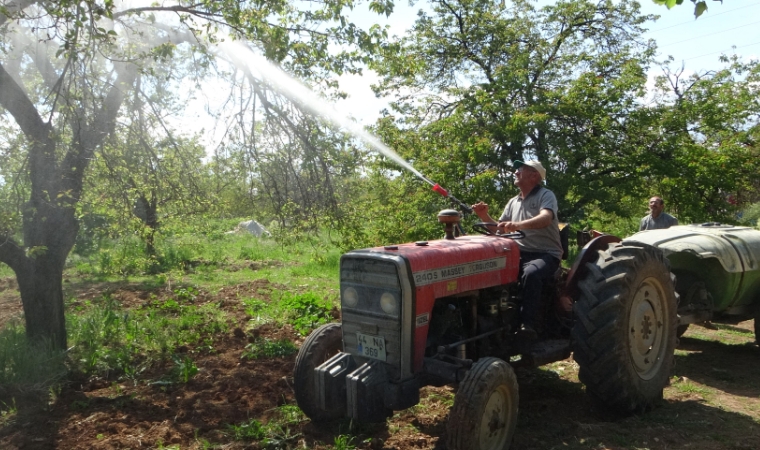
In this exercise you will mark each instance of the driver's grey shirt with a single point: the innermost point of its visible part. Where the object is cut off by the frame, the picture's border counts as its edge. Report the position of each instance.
(660, 223)
(543, 240)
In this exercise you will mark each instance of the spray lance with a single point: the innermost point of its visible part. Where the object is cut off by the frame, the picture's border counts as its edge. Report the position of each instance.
(437, 188)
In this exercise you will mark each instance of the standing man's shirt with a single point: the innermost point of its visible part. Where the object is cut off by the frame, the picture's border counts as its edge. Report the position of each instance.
(661, 222)
(542, 240)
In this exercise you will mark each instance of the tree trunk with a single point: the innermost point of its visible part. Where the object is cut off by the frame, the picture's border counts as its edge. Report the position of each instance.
(40, 284)
(49, 221)
(49, 235)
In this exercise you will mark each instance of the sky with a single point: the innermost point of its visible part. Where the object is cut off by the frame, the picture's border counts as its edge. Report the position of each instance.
(732, 26)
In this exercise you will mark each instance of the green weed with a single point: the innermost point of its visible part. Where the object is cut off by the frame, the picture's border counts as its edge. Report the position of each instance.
(306, 311)
(252, 430)
(289, 414)
(8, 412)
(184, 369)
(254, 307)
(344, 442)
(267, 348)
(685, 385)
(29, 366)
(445, 399)
(274, 434)
(106, 338)
(6, 271)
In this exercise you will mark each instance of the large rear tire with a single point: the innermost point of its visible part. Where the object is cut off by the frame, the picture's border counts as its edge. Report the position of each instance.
(624, 335)
(484, 414)
(322, 344)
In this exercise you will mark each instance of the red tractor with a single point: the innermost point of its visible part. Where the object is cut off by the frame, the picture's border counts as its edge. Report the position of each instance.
(447, 312)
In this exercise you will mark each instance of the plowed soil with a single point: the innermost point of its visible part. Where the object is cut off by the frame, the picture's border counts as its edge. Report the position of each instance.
(713, 401)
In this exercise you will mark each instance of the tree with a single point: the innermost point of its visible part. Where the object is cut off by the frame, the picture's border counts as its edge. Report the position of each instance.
(709, 125)
(147, 170)
(299, 169)
(488, 85)
(64, 77)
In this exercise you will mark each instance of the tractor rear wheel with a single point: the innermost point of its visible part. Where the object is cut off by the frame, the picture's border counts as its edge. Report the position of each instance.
(322, 344)
(484, 414)
(625, 329)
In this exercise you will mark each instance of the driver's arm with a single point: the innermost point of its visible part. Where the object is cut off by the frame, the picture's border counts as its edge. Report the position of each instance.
(542, 220)
(481, 209)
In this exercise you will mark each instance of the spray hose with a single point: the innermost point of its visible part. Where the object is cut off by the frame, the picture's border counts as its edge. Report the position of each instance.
(437, 188)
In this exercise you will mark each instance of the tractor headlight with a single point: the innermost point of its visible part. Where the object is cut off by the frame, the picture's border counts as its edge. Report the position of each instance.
(389, 303)
(350, 297)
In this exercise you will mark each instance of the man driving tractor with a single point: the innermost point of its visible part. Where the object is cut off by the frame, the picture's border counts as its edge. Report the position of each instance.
(534, 212)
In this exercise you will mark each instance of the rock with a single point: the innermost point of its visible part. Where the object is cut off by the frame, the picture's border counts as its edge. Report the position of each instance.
(253, 227)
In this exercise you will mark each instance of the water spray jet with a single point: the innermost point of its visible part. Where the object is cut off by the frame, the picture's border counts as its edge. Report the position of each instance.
(297, 92)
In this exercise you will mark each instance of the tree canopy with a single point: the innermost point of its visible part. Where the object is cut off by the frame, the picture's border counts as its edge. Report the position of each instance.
(481, 85)
(67, 71)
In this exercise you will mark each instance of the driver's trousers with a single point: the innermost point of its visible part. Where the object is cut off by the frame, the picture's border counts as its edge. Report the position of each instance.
(536, 269)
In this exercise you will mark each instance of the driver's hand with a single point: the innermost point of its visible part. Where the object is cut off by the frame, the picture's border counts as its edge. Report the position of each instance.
(479, 208)
(507, 227)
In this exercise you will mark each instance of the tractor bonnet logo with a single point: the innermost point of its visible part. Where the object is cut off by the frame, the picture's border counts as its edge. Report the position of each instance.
(458, 271)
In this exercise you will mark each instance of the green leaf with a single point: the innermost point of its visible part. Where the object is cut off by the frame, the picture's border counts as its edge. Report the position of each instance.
(699, 9)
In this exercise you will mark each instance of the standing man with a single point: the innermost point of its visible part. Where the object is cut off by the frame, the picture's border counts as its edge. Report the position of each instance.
(534, 212)
(657, 220)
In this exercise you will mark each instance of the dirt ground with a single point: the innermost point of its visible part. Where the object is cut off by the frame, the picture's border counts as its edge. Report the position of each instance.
(713, 401)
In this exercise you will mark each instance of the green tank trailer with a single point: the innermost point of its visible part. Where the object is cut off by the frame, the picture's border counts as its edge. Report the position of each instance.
(717, 269)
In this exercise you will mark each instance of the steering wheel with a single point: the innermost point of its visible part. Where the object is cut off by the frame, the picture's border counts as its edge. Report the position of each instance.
(482, 228)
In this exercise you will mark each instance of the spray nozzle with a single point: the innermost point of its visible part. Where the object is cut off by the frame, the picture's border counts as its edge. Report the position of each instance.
(437, 188)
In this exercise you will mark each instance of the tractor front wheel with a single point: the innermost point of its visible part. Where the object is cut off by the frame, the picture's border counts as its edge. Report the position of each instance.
(484, 414)
(322, 344)
(625, 329)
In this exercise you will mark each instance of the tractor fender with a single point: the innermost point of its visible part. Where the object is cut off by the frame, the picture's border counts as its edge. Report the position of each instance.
(588, 253)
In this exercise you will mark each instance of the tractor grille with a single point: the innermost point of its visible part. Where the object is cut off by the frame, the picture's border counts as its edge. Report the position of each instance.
(372, 278)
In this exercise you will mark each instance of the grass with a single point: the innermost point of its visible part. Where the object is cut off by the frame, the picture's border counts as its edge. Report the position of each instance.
(106, 338)
(35, 367)
(344, 442)
(7, 413)
(6, 271)
(266, 348)
(278, 432)
(212, 258)
(305, 311)
(686, 386)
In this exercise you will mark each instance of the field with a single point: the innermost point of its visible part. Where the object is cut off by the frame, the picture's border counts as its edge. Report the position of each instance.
(223, 377)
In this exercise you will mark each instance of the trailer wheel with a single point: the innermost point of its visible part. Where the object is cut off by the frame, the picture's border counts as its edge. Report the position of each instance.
(625, 329)
(323, 343)
(484, 414)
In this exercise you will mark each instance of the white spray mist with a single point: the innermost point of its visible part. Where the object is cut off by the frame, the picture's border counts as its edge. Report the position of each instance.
(258, 66)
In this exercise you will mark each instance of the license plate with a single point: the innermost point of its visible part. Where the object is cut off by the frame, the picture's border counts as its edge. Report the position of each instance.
(371, 346)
